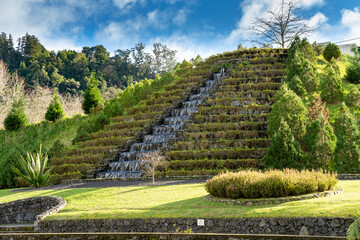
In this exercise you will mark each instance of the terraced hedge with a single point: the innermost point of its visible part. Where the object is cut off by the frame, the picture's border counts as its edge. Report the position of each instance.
(92, 153)
(229, 132)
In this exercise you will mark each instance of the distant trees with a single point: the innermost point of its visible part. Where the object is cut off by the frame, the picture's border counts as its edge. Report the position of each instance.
(281, 26)
(67, 70)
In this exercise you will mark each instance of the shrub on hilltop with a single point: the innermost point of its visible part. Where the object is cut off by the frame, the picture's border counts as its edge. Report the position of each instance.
(331, 51)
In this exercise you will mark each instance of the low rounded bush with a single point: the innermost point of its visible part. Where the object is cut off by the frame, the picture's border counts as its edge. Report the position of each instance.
(331, 51)
(268, 184)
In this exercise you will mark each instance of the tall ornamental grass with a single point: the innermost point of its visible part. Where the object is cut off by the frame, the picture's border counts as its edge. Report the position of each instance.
(268, 184)
(33, 169)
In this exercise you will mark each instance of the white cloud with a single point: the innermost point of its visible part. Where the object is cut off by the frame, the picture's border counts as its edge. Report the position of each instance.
(36, 17)
(188, 47)
(259, 8)
(124, 3)
(345, 29)
(180, 17)
(317, 20)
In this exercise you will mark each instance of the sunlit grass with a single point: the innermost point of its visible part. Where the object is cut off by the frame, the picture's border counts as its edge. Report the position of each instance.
(185, 201)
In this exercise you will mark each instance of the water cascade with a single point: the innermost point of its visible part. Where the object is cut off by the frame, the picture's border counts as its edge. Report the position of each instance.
(129, 163)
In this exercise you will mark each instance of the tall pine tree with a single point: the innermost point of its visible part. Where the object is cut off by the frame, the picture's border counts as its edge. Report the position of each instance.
(347, 151)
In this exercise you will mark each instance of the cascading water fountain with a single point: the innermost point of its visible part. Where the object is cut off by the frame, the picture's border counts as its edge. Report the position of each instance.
(129, 163)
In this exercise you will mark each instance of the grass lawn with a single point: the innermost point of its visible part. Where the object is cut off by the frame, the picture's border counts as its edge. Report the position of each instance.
(185, 201)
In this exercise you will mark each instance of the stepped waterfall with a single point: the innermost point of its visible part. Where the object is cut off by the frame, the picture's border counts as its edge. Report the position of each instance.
(129, 163)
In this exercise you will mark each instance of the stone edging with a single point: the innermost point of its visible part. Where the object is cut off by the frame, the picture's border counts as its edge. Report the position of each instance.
(267, 201)
(61, 204)
(348, 176)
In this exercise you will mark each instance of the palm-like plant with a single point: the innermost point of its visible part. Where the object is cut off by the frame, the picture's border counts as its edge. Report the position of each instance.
(32, 169)
(353, 231)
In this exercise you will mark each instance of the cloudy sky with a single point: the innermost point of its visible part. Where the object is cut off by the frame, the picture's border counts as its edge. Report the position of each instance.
(191, 27)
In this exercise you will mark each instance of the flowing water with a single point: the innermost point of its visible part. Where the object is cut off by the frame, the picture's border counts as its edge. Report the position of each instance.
(129, 164)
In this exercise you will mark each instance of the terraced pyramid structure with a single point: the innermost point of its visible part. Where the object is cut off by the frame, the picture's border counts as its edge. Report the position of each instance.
(204, 122)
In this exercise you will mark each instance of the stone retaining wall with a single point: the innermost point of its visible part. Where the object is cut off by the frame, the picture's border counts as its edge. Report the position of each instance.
(288, 226)
(30, 210)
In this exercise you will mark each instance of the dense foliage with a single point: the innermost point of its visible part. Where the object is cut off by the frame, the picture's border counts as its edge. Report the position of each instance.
(273, 183)
(16, 118)
(285, 150)
(353, 70)
(67, 69)
(301, 74)
(347, 151)
(55, 110)
(331, 88)
(289, 107)
(331, 51)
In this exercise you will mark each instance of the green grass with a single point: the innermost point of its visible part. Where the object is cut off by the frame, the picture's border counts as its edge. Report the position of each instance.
(185, 201)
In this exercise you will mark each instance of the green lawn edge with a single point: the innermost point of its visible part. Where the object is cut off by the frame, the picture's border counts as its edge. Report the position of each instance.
(184, 201)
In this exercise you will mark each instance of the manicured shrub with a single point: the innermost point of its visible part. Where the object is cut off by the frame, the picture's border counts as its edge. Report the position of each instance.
(33, 169)
(331, 51)
(320, 141)
(268, 184)
(92, 95)
(353, 98)
(16, 118)
(55, 110)
(284, 151)
(289, 107)
(347, 151)
(331, 88)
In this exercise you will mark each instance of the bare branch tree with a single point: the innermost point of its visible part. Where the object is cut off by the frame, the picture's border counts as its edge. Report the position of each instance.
(282, 26)
(151, 162)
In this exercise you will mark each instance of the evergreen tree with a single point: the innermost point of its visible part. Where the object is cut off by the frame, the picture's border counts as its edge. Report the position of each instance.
(331, 51)
(353, 70)
(320, 141)
(92, 95)
(289, 107)
(353, 98)
(16, 118)
(297, 86)
(331, 89)
(285, 150)
(55, 110)
(347, 151)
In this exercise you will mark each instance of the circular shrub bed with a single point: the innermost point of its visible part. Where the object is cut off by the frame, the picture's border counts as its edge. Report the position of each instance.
(269, 184)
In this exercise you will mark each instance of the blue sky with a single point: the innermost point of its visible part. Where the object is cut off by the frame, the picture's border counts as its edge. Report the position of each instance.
(191, 27)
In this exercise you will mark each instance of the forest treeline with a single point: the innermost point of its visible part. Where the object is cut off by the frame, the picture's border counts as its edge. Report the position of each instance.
(68, 70)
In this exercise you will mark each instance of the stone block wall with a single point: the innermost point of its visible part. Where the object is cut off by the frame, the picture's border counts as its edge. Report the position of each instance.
(287, 226)
(29, 210)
